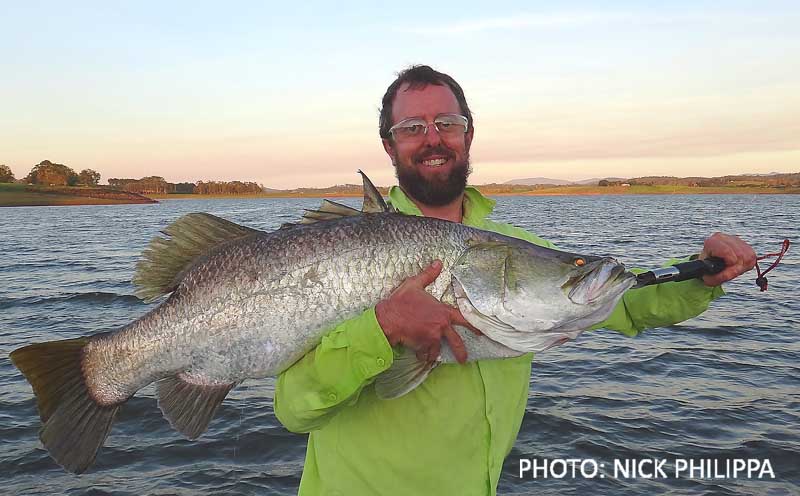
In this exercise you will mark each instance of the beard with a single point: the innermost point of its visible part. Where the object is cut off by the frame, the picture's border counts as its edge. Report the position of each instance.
(433, 192)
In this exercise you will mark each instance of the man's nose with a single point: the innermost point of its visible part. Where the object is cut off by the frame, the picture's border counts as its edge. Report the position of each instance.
(432, 137)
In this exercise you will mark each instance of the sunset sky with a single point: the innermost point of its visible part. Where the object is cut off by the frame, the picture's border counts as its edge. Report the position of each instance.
(287, 94)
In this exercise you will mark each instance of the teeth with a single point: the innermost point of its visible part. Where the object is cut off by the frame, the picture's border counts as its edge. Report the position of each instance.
(438, 162)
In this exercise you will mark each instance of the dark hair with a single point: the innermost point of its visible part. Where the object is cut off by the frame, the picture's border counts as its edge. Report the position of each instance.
(418, 77)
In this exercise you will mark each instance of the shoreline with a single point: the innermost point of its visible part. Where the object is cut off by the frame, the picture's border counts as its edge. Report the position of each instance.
(606, 191)
(22, 196)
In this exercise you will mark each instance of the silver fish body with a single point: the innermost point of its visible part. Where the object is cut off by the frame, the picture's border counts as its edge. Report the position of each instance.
(246, 304)
(257, 304)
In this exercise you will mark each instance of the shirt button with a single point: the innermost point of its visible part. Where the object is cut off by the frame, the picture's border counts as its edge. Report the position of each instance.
(381, 362)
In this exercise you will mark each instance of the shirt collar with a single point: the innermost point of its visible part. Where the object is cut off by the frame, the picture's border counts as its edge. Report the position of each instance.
(476, 206)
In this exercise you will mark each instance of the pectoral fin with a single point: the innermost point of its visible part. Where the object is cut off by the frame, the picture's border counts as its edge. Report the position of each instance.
(405, 374)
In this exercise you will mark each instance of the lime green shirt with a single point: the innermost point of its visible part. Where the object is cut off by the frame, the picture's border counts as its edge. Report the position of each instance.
(451, 434)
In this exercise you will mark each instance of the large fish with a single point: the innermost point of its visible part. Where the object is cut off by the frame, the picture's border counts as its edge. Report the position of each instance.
(247, 304)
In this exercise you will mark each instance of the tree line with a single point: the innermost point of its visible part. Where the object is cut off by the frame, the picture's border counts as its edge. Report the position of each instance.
(158, 185)
(50, 174)
(47, 173)
(6, 176)
(773, 180)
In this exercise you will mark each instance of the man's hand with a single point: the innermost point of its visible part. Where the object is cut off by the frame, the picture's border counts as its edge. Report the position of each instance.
(739, 257)
(410, 316)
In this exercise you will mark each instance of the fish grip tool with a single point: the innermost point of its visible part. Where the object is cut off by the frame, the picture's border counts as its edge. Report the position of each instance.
(708, 266)
(680, 272)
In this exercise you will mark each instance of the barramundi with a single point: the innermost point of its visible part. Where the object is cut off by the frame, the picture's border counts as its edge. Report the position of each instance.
(246, 304)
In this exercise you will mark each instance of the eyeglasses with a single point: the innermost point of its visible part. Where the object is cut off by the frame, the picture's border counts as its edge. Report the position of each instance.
(415, 128)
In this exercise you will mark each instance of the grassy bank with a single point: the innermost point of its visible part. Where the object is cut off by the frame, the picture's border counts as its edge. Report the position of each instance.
(499, 190)
(287, 194)
(22, 195)
(25, 195)
(647, 190)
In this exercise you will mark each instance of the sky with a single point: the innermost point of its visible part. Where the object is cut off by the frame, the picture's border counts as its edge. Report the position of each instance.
(287, 94)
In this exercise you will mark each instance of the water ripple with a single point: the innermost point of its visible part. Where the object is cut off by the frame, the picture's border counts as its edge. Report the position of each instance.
(722, 386)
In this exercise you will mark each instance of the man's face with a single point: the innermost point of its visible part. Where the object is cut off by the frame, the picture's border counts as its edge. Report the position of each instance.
(432, 170)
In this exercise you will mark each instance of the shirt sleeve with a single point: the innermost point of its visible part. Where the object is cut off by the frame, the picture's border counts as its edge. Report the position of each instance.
(331, 376)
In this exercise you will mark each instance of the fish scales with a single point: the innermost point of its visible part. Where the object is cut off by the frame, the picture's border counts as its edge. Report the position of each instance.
(253, 306)
(245, 304)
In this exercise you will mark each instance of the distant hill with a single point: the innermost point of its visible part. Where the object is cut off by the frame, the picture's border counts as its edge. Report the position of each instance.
(533, 181)
(593, 181)
(772, 179)
(516, 186)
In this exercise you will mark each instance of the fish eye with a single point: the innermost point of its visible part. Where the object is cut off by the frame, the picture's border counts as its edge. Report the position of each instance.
(579, 262)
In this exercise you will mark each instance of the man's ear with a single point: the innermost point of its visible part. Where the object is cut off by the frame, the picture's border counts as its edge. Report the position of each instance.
(468, 139)
(388, 147)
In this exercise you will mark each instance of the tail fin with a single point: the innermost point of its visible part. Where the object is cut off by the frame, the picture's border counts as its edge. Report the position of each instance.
(74, 424)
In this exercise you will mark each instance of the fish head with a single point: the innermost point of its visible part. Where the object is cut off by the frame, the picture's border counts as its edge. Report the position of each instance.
(515, 287)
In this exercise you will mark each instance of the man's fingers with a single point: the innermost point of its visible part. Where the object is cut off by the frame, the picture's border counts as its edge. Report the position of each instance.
(456, 344)
(716, 246)
(739, 257)
(456, 317)
(746, 254)
(427, 276)
(724, 276)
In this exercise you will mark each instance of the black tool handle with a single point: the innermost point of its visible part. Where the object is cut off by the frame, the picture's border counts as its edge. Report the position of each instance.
(681, 271)
(699, 268)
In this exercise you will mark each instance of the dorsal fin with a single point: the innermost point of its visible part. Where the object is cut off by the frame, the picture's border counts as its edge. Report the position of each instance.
(331, 207)
(330, 210)
(165, 260)
(373, 201)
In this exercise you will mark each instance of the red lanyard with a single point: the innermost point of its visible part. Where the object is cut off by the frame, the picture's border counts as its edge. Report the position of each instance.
(761, 280)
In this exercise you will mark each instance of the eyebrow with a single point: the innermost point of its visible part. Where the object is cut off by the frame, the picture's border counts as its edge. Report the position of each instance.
(422, 118)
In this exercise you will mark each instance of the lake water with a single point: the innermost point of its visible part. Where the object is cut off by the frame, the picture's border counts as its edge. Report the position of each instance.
(723, 386)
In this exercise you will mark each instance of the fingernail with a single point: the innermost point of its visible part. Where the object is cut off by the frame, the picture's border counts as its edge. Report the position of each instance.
(436, 264)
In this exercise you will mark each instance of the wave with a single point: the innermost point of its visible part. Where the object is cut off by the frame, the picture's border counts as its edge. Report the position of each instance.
(90, 297)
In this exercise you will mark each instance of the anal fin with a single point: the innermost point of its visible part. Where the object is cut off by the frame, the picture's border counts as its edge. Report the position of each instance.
(406, 373)
(188, 405)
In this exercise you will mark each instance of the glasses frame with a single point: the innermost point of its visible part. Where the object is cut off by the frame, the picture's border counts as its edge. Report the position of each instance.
(428, 125)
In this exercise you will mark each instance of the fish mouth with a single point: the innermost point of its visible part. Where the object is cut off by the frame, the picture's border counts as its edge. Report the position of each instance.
(605, 278)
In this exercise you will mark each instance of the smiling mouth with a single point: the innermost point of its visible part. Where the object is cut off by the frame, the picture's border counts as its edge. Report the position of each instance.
(434, 162)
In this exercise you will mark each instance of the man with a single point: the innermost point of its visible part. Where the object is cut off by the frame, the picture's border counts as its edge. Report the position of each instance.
(451, 434)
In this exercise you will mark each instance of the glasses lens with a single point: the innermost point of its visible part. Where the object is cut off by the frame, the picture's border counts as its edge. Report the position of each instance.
(409, 129)
(415, 128)
(451, 124)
